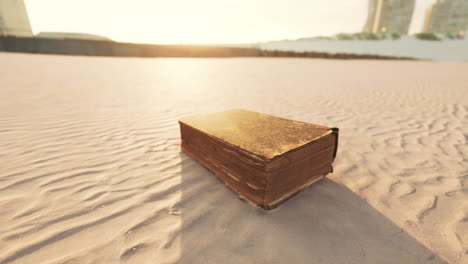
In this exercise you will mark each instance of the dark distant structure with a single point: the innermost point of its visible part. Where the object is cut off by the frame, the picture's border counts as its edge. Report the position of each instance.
(447, 16)
(392, 16)
(70, 35)
(87, 47)
(14, 19)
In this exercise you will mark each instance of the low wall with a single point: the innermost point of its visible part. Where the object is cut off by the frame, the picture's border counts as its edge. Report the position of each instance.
(119, 49)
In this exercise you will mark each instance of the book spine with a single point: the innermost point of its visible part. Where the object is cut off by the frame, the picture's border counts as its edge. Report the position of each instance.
(335, 131)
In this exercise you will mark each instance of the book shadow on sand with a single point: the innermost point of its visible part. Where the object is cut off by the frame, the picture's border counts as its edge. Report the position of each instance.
(326, 223)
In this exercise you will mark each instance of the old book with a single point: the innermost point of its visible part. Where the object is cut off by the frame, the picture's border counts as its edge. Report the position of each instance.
(265, 159)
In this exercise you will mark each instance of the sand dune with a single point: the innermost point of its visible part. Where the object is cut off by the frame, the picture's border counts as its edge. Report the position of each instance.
(92, 171)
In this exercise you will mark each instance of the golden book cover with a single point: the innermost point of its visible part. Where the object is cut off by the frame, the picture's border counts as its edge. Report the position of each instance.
(265, 159)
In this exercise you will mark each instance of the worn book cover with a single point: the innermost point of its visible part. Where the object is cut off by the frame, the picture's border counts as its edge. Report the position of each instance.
(265, 159)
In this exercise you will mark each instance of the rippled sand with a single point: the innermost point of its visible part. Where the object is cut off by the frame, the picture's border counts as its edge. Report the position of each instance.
(91, 169)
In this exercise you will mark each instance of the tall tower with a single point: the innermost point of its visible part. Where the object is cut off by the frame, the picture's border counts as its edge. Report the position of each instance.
(447, 16)
(14, 19)
(389, 16)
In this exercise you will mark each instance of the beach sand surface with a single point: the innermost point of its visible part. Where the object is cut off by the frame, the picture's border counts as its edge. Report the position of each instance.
(92, 172)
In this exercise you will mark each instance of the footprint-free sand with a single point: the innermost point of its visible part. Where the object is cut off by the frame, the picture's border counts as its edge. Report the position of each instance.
(91, 169)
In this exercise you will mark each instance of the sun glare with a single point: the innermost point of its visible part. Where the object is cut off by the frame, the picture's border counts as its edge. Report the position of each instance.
(204, 21)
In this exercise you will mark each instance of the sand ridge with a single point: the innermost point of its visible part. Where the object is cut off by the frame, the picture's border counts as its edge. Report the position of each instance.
(92, 171)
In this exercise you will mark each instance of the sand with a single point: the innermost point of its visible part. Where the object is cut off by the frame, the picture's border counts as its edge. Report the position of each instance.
(91, 169)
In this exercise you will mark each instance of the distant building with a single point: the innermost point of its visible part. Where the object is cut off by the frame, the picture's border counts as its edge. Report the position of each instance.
(70, 35)
(14, 19)
(447, 16)
(389, 16)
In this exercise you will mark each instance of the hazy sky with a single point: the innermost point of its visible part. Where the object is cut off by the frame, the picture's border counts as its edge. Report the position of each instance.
(198, 21)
